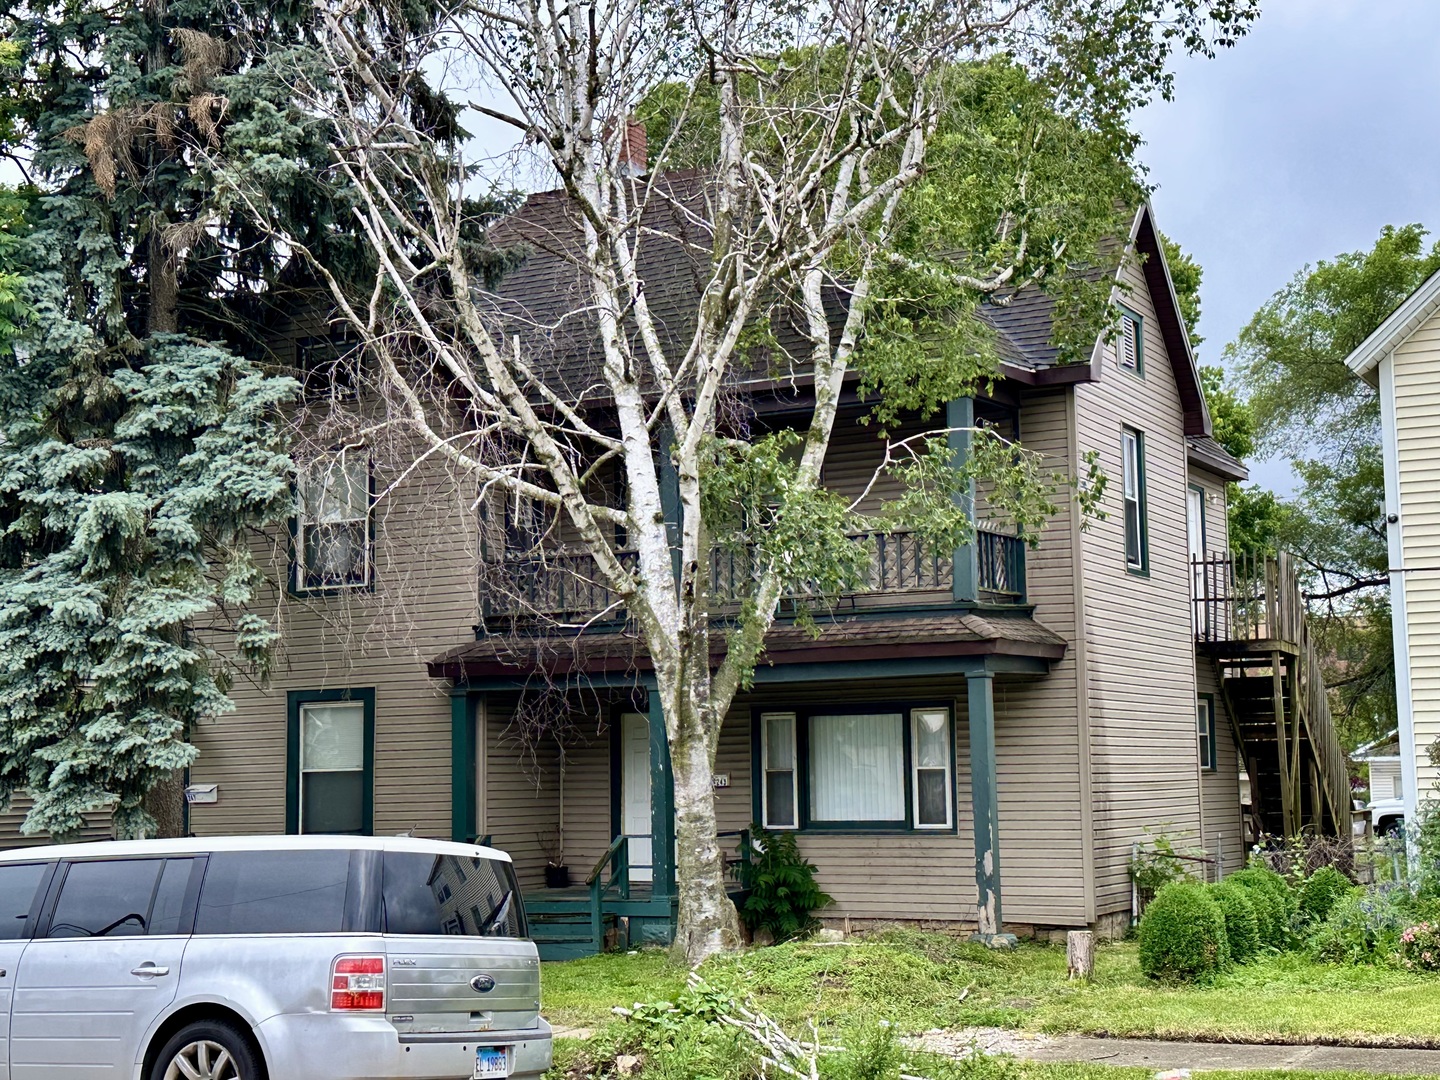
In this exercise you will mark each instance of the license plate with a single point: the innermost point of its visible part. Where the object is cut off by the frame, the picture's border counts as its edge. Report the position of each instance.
(491, 1061)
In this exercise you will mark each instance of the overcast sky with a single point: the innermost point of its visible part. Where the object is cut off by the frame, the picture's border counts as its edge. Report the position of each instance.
(1301, 142)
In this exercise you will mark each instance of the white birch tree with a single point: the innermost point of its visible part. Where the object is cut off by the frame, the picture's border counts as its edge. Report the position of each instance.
(871, 172)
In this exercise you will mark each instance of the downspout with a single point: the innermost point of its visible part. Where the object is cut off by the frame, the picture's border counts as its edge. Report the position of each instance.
(1400, 630)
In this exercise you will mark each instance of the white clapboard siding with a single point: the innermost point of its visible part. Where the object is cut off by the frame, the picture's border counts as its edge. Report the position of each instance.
(1417, 433)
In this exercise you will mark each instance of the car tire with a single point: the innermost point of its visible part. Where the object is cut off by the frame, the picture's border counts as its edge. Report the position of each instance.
(213, 1049)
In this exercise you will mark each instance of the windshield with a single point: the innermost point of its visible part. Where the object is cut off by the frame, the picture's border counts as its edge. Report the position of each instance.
(450, 894)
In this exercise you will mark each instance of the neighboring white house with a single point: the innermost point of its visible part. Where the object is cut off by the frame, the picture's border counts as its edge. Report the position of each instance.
(1402, 359)
(1386, 807)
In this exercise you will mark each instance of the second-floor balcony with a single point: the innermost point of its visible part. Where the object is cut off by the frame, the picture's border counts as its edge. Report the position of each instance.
(563, 585)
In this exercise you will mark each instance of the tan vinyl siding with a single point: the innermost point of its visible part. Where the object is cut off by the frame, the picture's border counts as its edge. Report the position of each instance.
(1224, 825)
(97, 827)
(1417, 432)
(424, 602)
(1140, 652)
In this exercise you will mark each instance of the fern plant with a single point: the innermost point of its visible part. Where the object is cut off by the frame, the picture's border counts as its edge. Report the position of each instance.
(783, 892)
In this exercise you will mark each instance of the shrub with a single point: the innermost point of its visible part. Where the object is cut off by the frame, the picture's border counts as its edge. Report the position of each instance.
(1272, 901)
(1242, 929)
(1319, 895)
(1157, 862)
(1363, 927)
(1420, 947)
(1182, 934)
(783, 892)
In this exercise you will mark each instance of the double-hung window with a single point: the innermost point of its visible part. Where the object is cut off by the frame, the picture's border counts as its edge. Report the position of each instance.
(332, 761)
(881, 769)
(332, 525)
(1205, 716)
(1132, 453)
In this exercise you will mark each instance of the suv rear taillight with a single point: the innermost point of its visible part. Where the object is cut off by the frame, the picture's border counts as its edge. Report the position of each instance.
(357, 984)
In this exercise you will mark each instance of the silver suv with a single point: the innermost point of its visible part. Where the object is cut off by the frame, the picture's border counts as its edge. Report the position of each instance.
(292, 958)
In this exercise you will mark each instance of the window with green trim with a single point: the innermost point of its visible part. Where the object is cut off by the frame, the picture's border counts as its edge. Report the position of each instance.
(1137, 543)
(331, 762)
(1205, 718)
(882, 767)
(1130, 342)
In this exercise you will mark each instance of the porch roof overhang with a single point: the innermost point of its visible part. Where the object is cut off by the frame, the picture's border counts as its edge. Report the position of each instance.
(857, 646)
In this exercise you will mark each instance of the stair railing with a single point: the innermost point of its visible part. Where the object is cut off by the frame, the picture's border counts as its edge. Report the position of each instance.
(617, 860)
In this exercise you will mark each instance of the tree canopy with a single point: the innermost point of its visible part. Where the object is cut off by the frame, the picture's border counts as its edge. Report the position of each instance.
(142, 433)
(1310, 409)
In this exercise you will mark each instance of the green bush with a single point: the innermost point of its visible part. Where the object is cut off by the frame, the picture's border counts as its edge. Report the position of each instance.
(1182, 934)
(1242, 929)
(1273, 902)
(783, 893)
(1363, 927)
(1319, 895)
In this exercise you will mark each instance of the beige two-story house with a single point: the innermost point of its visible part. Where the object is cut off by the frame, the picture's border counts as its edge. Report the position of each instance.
(995, 725)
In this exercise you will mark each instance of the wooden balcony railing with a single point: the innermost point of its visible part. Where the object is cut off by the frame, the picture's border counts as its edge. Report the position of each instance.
(563, 584)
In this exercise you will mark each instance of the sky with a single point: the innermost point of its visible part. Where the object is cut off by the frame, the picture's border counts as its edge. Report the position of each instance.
(1300, 143)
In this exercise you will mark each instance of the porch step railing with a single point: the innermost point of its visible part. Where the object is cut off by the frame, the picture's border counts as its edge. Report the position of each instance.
(565, 583)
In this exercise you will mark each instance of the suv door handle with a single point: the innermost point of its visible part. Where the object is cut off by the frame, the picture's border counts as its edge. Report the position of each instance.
(148, 970)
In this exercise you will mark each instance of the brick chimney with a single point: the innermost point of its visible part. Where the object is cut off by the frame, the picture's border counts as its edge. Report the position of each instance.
(633, 151)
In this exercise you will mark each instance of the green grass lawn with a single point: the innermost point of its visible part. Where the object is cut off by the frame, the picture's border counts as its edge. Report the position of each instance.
(923, 981)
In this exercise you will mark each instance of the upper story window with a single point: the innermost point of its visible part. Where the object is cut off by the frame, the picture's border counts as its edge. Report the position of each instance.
(1130, 342)
(1137, 544)
(333, 539)
(329, 365)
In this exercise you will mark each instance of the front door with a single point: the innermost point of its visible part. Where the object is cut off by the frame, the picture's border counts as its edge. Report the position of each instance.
(103, 967)
(635, 792)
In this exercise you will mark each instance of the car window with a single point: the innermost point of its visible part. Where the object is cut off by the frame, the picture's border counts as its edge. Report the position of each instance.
(448, 894)
(105, 898)
(274, 892)
(169, 904)
(18, 883)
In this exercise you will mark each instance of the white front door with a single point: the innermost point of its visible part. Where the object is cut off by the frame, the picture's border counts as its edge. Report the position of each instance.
(635, 792)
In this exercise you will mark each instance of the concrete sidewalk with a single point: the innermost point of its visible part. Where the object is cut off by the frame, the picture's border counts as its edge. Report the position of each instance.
(1199, 1056)
(1163, 1056)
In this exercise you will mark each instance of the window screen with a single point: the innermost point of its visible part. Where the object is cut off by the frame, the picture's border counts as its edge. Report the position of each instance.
(274, 892)
(109, 898)
(18, 882)
(333, 523)
(857, 768)
(449, 894)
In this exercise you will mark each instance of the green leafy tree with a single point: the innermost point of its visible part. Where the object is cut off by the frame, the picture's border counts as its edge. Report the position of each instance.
(142, 434)
(1311, 410)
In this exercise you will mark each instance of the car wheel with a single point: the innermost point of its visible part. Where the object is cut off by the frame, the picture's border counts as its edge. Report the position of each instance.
(207, 1050)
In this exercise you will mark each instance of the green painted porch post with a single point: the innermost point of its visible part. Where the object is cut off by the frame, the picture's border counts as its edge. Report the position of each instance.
(960, 419)
(462, 765)
(984, 801)
(662, 804)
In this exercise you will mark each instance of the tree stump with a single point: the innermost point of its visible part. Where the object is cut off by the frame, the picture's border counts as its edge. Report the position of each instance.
(1080, 953)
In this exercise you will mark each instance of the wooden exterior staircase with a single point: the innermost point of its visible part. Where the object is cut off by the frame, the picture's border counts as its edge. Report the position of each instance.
(1250, 620)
